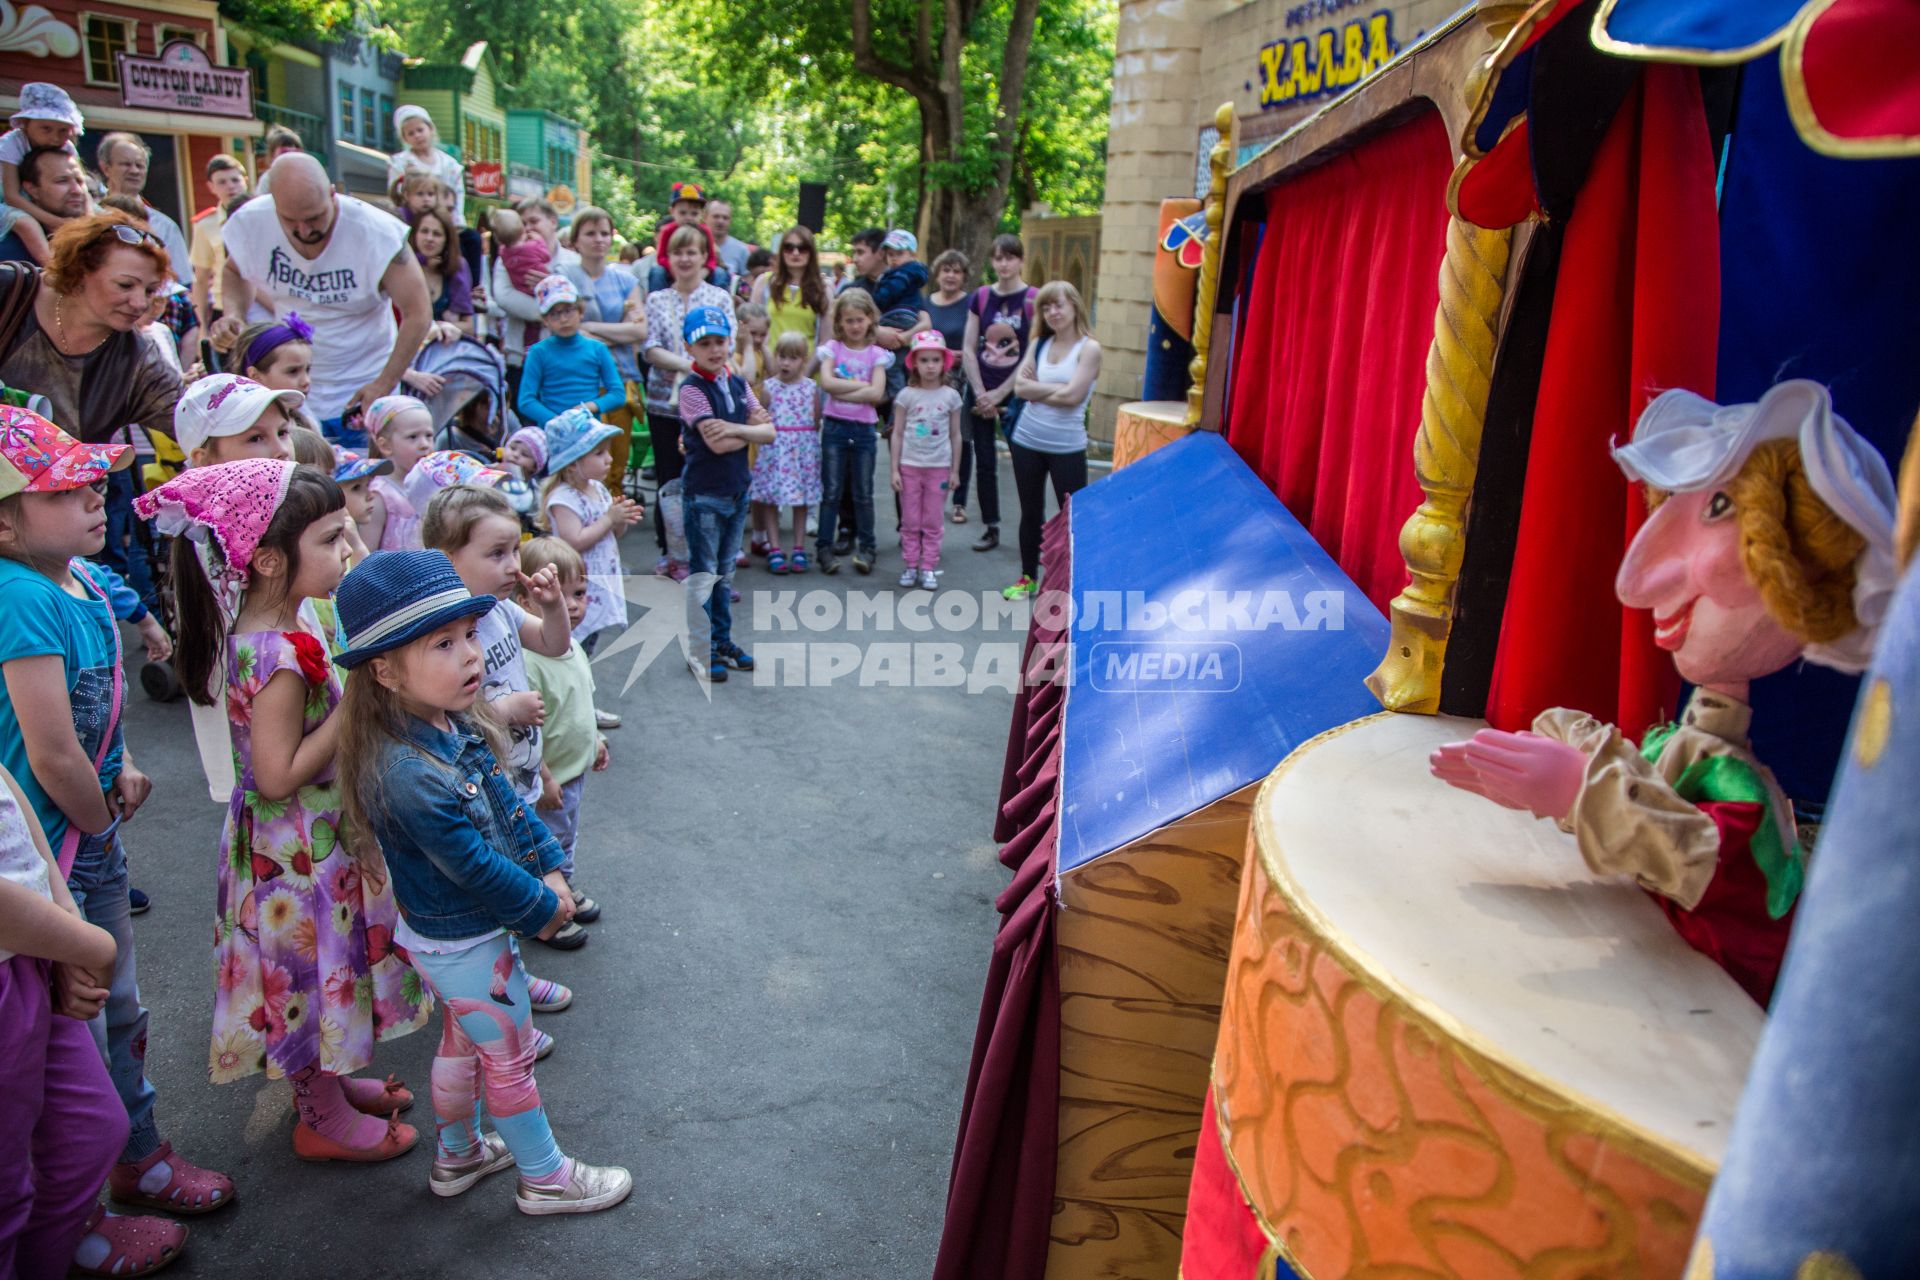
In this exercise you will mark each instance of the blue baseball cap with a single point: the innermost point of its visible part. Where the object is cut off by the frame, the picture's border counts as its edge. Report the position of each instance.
(396, 597)
(350, 465)
(705, 321)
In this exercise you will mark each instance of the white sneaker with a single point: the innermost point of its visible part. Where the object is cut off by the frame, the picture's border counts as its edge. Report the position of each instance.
(908, 577)
(588, 1189)
(452, 1179)
(928, 581)
(701, 671)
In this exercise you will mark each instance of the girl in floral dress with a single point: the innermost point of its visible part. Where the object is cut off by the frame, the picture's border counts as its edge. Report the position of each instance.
(787, 472)
(306, 976)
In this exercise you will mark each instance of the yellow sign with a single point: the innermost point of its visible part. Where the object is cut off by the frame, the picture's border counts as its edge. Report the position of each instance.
(562, 200)
(1294, 70)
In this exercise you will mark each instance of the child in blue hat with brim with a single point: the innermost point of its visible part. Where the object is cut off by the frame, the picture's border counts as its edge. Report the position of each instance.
(473, 868)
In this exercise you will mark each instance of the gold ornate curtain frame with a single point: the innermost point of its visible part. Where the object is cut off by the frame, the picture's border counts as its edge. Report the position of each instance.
(1444, 72)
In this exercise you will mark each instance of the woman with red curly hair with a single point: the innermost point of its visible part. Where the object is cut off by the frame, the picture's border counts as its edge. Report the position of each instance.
(73, 333)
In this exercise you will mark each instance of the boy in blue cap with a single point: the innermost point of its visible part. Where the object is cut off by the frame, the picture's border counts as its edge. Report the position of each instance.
(720, 416)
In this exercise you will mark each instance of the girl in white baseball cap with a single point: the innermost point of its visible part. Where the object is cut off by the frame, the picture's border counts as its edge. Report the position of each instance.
(225, 417)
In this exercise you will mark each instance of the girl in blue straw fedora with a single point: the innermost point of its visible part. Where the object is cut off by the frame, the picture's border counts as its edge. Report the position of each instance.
(473, 868)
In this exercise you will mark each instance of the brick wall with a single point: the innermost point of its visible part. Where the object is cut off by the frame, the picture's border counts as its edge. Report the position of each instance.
(1174, 62)
(1153, 136)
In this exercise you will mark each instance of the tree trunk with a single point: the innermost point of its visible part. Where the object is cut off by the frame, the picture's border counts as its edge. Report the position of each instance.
(951, 216)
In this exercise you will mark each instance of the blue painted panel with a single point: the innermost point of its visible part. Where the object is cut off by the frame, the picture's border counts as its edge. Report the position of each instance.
(1708, 26)
(1162, 721)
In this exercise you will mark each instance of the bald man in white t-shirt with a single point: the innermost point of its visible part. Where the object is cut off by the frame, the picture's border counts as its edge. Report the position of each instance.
(339, 262)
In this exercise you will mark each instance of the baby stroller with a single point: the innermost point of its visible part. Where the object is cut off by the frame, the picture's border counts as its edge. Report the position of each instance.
(470, 412)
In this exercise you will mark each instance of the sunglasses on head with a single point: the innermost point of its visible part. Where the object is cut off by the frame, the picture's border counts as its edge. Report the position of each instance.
(135, 236)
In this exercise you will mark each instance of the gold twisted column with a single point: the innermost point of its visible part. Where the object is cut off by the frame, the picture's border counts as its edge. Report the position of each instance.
(1219, 161)
(1446, 455)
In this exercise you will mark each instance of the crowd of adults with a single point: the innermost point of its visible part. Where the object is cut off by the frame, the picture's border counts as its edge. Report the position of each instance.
(120, 303)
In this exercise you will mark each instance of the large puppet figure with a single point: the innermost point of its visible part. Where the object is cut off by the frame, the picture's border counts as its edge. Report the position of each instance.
(1770, 540)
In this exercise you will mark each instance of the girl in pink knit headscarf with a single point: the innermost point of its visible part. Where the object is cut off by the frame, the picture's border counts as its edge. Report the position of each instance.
(306, 977)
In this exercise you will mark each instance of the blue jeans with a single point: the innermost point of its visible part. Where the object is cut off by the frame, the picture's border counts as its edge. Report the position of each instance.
(345, 437)
(714, 525)
(99, 886)
(847, 452)
(123, 552)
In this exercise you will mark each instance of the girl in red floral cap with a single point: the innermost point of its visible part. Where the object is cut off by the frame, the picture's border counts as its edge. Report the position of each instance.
(60, 697)
(306, 975)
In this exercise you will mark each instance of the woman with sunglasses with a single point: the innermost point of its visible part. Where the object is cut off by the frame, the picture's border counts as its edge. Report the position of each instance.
(794, 292)
(80, 344)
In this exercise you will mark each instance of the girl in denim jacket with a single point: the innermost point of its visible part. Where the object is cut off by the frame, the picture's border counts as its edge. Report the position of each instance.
(473, 868)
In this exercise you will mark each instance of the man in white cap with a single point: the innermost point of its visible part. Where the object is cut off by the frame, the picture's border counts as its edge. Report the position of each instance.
(345, 267)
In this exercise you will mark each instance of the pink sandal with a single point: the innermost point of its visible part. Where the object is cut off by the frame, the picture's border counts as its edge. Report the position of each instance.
(137, 1246)
(191, 1189)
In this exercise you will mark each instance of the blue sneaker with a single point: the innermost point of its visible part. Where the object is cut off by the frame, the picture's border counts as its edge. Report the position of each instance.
(138, 903)
(733, 656)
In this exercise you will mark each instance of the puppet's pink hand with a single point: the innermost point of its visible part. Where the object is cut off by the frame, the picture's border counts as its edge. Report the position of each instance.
(1518, 770)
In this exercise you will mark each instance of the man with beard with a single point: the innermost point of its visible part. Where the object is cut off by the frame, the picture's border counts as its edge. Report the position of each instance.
(344, 266)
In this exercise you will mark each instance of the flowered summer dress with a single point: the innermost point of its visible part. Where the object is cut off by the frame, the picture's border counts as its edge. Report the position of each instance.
(304, 967)
(787, 472)
(606, 596)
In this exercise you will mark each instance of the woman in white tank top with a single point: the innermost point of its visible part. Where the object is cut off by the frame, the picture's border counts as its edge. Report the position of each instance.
(1050, 439)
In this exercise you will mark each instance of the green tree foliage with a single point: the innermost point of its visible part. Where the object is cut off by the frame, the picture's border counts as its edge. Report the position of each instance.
(293, 21)
(751, 97)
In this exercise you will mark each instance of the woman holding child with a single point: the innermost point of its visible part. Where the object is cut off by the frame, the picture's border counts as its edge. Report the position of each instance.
(615, 312)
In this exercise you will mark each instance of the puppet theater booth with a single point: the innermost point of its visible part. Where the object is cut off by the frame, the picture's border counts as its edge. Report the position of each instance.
(1446, 1048)
(1443, 1047)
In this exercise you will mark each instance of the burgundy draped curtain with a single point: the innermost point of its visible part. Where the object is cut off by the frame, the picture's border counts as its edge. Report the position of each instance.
(1331, 359)
(1000, 1198)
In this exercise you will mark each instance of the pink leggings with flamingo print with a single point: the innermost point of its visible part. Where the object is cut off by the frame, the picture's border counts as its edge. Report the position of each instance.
(484, 1066)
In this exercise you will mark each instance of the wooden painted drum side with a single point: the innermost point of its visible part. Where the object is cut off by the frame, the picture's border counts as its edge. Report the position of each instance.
(1382, 1107)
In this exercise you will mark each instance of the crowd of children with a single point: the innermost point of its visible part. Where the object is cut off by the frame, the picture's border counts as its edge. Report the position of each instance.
(388, 659)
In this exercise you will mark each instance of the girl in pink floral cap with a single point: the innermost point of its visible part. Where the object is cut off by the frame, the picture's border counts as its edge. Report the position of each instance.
(61, 692)
(306, 975)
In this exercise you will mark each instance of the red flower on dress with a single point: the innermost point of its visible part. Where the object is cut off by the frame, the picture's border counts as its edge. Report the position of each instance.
(312, 655)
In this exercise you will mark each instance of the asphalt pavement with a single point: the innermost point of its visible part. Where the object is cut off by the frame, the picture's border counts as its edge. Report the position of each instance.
(773, 1017)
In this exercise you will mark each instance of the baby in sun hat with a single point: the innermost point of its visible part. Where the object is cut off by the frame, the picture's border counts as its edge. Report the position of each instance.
(524, 459)
(46, 117)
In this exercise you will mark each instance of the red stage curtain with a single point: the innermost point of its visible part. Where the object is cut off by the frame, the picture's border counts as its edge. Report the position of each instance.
(1331, 358)
(1223, 1239)
(1635, 311)
(1000, 1199)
